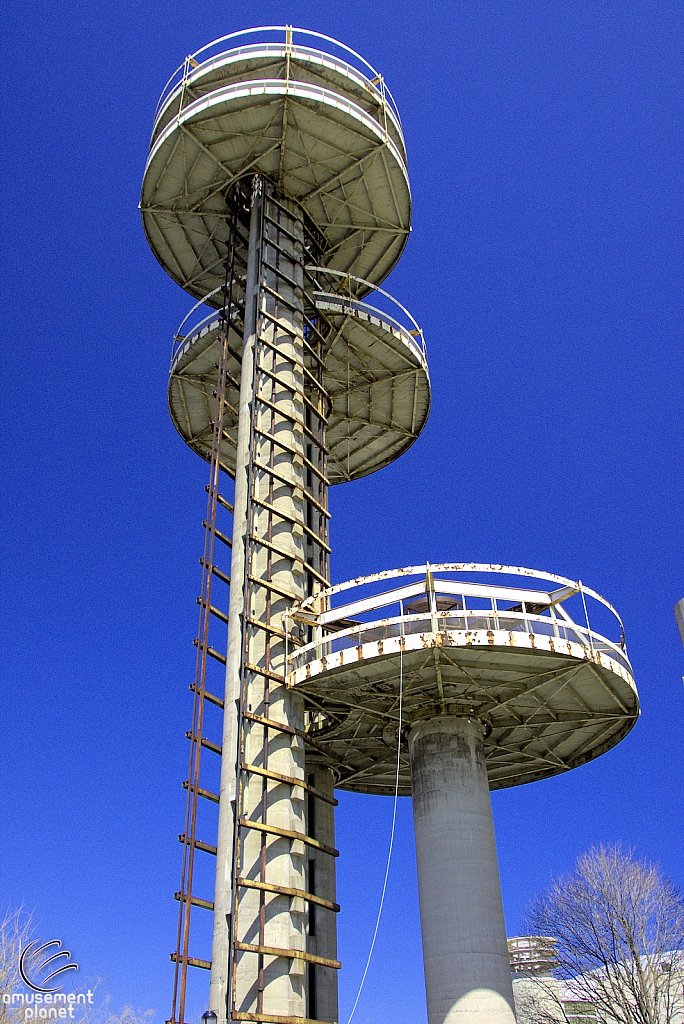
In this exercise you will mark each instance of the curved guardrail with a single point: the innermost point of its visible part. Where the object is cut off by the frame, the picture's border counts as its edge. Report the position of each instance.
(492, 608)
(372, 80)
(342, 298)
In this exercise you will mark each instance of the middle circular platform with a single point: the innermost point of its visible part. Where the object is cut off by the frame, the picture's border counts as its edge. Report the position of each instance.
(375, 374)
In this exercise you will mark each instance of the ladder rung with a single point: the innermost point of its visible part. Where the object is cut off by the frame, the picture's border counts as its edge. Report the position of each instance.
(270, 1018)
(272, 724)
(215, 571)
(308, 497)
(207, 794)
(277, 677)
(209, 745)
(285, 833)
(221, 500)
(255, 539)
(283, 890)
(295, 362)
(289, 779)
(196, 902)
(219, 657)
(268, 629)
(282, 514)
(219, 536)
(210, 696)
(293, 451)
(213, 611)
(290, 954)
(268, 585)
(199, 845)
(295, 421)
(191, 962)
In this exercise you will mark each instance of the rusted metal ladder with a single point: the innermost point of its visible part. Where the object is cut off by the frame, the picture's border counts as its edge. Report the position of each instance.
(272, 473)
(201, 696)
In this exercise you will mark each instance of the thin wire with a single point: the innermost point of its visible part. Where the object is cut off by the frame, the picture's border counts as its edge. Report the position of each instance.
(394, 817)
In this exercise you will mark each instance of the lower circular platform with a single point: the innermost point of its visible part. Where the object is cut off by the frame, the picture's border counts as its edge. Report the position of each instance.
(551, 694)
(375, 374)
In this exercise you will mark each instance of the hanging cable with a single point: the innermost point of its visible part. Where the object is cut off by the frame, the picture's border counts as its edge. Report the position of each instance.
(394, 816)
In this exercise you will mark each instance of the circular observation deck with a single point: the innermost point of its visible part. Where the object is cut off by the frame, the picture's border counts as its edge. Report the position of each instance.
(551, 693)
(317, 120)
(375, 374)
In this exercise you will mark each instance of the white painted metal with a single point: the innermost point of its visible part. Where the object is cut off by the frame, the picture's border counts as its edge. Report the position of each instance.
(553, 693)
(318, 127)
(367, 604)
(465, 567)
(375, 373)
(467, 971)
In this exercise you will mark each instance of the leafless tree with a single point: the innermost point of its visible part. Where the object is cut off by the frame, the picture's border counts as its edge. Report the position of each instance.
(17, 930)
(619, 923)
(15, 933)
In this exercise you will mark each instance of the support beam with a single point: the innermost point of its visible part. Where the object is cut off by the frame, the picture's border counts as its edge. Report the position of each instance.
(467, 971)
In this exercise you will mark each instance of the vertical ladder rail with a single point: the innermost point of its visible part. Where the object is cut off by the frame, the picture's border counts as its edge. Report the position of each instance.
(182, 956)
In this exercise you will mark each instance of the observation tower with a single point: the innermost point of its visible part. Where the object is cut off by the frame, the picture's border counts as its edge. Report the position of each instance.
(276, 194)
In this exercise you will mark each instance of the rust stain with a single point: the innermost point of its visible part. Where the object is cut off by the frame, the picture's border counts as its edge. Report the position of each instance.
(490, 637)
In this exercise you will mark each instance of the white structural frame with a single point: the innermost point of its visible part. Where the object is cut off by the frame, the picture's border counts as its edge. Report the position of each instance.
(528, 621)
(205, 55)
(413, 336)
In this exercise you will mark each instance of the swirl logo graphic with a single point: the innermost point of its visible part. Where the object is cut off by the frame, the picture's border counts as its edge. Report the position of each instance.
(29, 965)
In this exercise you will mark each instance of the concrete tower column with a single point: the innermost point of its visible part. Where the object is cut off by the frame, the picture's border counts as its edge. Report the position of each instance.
(467, 971)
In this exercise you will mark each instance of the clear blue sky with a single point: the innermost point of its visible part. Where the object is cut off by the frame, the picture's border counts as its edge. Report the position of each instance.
(545, 266)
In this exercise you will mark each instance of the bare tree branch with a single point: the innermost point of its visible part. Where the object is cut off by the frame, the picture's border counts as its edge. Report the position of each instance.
(619, 924)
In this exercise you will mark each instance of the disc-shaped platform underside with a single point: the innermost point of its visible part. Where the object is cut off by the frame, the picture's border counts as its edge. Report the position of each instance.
(375, 374)
(551, 705)
(323, 137)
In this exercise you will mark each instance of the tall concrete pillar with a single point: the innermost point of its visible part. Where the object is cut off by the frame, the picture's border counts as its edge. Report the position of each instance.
(322, 927)
(467, 972)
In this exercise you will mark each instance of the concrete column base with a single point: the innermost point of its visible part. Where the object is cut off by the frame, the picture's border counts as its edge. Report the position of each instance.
(467, 971)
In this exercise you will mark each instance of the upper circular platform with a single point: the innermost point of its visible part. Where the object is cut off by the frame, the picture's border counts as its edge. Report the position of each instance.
(552, 693)
(318, 122)
(375, 374)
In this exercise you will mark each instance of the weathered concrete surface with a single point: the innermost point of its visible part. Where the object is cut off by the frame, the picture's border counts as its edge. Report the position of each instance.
(467, 971)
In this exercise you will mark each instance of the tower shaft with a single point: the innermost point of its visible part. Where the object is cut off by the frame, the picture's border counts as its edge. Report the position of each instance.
(467, 970)
(261, 968)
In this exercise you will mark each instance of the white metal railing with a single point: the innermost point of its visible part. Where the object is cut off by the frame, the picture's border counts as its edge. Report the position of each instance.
(413, 335)
(506, 608)
(352, 64)
(344, 295)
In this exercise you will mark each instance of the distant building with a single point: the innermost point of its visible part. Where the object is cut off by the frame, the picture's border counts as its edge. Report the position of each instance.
(679, 616)
(541, 998)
